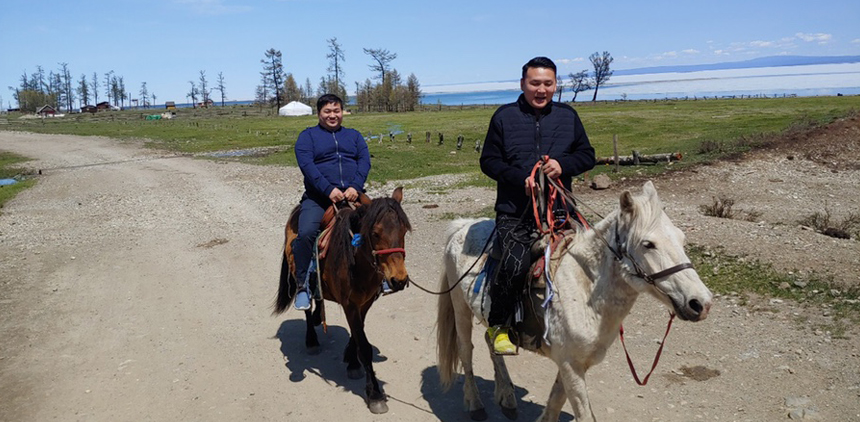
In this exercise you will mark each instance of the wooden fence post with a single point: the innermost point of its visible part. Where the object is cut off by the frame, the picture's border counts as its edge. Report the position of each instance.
(615, 148)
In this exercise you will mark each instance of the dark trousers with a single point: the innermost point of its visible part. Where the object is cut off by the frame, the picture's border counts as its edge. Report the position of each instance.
(514, 238)
(303, 245)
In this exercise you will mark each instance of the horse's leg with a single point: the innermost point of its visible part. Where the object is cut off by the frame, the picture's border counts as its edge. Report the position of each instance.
(375, 396)
(350, 356)
(312, 344)
(463, 323)
(556, 400)
(504, 391)
(573, 379)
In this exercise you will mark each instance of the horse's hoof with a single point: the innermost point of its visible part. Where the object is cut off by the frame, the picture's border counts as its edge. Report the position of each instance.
(478, 414)
(354, 374)
(510, 412)
(378, 407)
(314, 350)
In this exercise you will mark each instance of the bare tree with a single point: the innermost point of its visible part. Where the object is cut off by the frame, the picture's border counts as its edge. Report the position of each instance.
(382, 59)
(220, 87)
(192, 94)
(108, 85)
(83, 90)
(602, 73)
(152, 95)
(579, 83)
(335, 57)
(273, 74)
(559, 86)
(144, 93)
(204, 89)
(95, 86)
(66, 76)
(123, 93)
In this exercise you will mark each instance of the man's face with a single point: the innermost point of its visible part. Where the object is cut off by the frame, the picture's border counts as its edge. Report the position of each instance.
(331, 116)
(538, 86)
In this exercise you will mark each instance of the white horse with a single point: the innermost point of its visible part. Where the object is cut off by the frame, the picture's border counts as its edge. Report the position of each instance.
(636, 249)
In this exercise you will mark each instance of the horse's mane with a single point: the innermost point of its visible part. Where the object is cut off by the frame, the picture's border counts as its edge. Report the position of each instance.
(340, 250)
(370, 214)
(647, 210)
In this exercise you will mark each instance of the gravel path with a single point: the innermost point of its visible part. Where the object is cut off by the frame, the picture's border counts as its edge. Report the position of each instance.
(136, 285)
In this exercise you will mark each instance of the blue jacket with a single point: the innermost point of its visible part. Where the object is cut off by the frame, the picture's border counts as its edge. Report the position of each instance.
(516, 140)
(329, 160)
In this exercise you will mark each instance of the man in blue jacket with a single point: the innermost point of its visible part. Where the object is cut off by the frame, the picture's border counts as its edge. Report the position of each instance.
(335, 163)
(520, 134)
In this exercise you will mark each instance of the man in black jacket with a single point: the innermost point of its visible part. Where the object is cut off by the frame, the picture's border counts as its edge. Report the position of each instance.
(520, 134)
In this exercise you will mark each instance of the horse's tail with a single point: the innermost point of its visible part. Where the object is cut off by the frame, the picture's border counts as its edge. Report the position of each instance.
(286, 288)
(447, 354)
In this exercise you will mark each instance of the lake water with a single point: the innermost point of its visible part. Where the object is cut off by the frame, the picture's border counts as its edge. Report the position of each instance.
(804, 81)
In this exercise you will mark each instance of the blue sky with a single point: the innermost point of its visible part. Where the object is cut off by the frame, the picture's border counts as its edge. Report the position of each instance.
(166, 43)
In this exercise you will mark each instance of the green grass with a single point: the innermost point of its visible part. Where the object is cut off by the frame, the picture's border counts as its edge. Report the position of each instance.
(8, 170)
(646, 126)
(730, 275)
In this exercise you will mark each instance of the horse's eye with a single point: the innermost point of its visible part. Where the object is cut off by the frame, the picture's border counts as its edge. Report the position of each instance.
(649, 244)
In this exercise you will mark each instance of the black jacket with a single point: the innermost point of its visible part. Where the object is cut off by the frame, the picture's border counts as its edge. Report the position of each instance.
(517, 138)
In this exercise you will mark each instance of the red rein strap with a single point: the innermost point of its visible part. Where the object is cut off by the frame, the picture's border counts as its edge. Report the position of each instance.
(656, 358)
(389, 251)
(551, 198)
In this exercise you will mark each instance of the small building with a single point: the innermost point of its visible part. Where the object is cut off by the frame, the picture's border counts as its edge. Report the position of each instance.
(88, 109)
(46, 110)
(170, 105)
(103, 106)
(208, 103)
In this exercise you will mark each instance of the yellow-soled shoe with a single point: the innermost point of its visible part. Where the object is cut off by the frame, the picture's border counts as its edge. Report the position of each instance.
(501, 341)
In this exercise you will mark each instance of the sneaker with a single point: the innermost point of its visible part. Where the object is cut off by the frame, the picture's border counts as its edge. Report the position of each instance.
(501, 341)
(303, 301)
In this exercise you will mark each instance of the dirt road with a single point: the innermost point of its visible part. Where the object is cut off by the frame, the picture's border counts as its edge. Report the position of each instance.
(136, 286)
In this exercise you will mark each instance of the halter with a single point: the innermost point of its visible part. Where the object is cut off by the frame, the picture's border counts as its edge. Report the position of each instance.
(651, 279)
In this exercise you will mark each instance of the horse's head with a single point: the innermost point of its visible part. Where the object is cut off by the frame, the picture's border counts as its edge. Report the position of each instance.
(384, 228)
(653, 253)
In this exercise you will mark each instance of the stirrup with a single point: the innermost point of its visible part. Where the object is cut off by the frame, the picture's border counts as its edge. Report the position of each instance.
(501, 341)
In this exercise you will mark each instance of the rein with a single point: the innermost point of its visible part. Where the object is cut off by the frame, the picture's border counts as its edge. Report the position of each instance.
(656, 357)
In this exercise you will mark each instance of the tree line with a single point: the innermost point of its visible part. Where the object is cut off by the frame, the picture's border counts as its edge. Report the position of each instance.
(59, 90)
(389, 93)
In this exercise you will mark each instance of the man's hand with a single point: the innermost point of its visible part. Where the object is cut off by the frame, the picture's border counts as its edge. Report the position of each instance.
(336, 195)
(551, 169)
(530, 186)
(351, 194)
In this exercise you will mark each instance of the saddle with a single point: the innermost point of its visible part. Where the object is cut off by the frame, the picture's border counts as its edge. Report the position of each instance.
(292, 229)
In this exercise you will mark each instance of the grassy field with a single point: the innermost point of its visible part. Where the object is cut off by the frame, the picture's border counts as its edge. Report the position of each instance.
(646, 126)
(8, 170)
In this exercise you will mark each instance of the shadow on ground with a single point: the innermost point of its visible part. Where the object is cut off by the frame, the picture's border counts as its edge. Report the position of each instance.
(328, 364)
(448, 406)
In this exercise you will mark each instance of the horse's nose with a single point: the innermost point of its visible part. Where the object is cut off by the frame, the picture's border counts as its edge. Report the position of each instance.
(700, 309)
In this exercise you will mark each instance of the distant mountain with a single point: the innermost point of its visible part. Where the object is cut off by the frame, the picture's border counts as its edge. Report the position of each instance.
(771, 61)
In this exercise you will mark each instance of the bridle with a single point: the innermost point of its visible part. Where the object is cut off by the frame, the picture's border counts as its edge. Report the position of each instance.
(621, 253)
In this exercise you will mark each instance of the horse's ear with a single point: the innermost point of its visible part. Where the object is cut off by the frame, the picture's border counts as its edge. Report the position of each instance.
(398, 194)
(627, 206)
(364, 199)
(649, 190)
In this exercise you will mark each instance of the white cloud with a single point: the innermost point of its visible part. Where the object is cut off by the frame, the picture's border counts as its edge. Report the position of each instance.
(569, 61)
(690, 51)
(762, 44)
(820, 37)
(855, 41)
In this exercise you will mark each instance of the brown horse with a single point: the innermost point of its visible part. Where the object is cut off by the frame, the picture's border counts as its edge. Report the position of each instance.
(352, 275)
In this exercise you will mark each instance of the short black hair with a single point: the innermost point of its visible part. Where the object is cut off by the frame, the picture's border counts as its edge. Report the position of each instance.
(539, 61)
(328, 99)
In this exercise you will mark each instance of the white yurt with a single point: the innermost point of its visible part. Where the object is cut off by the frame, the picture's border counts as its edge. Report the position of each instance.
(295, 108)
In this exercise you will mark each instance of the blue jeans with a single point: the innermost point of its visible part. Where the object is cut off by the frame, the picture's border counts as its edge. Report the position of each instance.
(303, 246)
